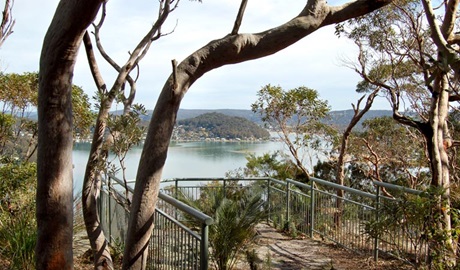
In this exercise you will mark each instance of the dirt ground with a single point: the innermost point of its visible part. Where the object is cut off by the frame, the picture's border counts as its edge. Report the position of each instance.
(277, 251)
(304, 253)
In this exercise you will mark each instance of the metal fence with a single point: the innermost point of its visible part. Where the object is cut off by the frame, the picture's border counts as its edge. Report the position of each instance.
(172, 244)
(315, 209)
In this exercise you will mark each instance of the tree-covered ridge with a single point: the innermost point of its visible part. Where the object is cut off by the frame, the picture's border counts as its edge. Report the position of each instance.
(213, 125)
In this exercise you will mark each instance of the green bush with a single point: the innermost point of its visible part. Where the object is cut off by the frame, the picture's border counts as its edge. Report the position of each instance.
(412, 218)
(236, 212)
(18, 231)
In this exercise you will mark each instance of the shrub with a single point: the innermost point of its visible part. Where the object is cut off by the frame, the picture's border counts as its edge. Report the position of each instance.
(18, 231)
(236, 213)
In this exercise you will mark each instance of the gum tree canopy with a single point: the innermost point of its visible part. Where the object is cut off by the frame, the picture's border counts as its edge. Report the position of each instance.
(59, 53)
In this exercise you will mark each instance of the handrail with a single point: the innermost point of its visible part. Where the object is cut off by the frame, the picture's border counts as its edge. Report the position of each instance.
(400, 188)
(189, 210)
(204, 219)
(345, 188)
(363, 210)
(194, 179)
(120, 182)
(176, 203)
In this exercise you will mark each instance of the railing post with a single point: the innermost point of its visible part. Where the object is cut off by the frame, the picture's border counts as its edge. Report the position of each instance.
(312, 207)
(204, 250)
(268, 200)
(109, 199)
(176, 187)
(176, 194)
(288, 206)
(376, 239)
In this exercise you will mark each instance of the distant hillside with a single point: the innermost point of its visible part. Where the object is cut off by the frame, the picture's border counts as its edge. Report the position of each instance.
(247, 114)
(339, 119)
(213, 125)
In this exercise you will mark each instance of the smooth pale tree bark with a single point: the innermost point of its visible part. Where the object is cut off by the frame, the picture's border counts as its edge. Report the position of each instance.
(231, 49)
(92, 181)
(54, 197)
(442, 36)
(435, 60)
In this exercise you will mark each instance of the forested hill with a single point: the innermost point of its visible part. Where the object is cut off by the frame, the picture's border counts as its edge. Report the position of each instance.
(339, 119)
(215, 125)
(247, 114)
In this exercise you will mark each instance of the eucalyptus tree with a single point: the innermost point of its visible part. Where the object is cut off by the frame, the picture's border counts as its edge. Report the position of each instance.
(60, 47)
(297, 116)
(18, 128)
(387, 151)
(412, 52)
(18, 95)
(358, 114)
(123, 128)
(231, 49)
(278, 165)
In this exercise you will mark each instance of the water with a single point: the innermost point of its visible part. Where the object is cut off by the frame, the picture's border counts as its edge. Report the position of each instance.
(187, 159)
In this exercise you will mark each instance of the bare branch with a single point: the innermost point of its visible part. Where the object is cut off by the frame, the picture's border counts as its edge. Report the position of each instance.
(454, 98)
(436, 33)
(6, 26)
(351, 10)
(454, 39)
(174, 73)
(239, 17)
(98, 80)
(449, 19)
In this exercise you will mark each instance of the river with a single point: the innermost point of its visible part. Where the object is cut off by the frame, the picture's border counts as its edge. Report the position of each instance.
(186, 159)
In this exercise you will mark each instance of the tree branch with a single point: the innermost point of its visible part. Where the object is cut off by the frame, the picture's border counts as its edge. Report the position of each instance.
(95, 72)
(6, 27)
(244, 47)
(450, 16)
(436, 33)
(239, 17)
(454, 98)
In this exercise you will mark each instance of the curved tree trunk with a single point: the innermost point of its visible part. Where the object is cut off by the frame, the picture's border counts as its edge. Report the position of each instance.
(440, 171)
(90, 194)
(91, 181)
(340, 169)
(55, 185)
(228, 50)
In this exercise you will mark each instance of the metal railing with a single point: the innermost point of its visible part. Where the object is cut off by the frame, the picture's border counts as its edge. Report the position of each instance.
(315, 209)
(172, 244)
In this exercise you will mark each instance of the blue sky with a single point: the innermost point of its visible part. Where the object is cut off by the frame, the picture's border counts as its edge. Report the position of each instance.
(314, 62)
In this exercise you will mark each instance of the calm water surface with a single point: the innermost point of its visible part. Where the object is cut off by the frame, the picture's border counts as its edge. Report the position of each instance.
(188, 159)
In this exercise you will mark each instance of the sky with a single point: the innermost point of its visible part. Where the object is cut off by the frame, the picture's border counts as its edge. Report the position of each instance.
(317, 61)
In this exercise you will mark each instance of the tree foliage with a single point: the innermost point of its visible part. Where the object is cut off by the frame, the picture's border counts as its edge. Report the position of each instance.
(18, 233)
(236, 211)
(125, 131)
(18, 128)
(18, 92)
(415, 61)
(83, 119)
(275, 165)
(297, 115)
(389, 152)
